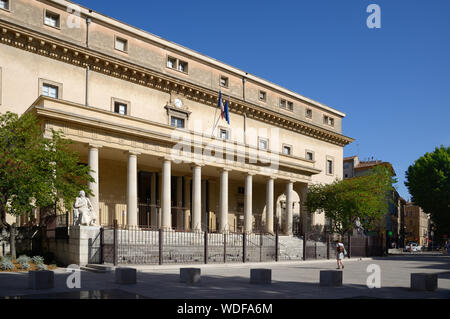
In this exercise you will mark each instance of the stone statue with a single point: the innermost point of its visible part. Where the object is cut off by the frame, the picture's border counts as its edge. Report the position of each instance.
(83, 212)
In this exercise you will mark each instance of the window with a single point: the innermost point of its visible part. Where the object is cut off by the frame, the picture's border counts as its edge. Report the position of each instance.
(287, 150)
(51, 19)
(177, 122)
(171, 63)
(330, 168)
(176, 64)
(4, 4)
(309, 156)
(328, 120)
(182, 66)
(290, 106)
(263, 144)
(241, 190)
(224, 134)
(224, 81)
(120, 108)
(262, 96)
(309, 113)
(121, 44)
(287, 105)
(50, 90)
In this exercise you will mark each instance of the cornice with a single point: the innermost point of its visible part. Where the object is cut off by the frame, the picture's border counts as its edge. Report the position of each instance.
(57, 49)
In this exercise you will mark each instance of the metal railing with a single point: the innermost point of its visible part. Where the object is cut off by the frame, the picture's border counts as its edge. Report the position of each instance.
(135, 245)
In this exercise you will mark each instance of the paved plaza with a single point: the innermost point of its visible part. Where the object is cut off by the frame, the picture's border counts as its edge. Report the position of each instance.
(290, 280)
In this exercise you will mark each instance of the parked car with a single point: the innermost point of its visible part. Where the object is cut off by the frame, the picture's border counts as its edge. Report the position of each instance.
(413, 246)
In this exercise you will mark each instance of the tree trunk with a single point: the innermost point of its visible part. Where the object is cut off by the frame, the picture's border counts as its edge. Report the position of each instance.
(3, 223)
(12, 242)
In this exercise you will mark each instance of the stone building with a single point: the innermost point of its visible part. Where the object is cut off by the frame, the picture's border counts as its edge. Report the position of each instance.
(354, 167)
(142, 111)
(417, 224)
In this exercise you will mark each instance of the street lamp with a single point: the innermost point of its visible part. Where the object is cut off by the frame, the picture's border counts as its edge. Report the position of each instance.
(432, 240)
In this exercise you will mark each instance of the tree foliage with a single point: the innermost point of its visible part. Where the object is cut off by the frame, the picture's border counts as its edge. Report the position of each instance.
(428, 182)
(344, 202)
(36, 171)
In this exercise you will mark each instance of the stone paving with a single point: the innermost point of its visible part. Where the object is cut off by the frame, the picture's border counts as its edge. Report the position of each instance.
(290, 280)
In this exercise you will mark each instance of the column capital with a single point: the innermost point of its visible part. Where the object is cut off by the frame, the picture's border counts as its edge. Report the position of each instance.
(196, 164)
(165, 158)
(93, 145)
(131, 152)
(269, 177)
(224, 169)
(289, 180)
(249, 173)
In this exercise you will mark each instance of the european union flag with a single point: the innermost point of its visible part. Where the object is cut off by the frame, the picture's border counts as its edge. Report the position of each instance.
(227, 112)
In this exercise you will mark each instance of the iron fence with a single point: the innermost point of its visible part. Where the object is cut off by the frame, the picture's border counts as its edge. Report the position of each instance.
(135, 245)
(321, 246)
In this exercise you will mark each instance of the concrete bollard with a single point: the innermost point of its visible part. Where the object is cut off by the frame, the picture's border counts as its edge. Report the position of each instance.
(261, 276)
(331, 278)
(43, 279)
(126, 276)
(190, 275)
(420, 281)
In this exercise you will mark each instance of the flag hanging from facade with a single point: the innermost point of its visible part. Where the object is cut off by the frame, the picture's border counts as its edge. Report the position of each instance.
(227, 112)
(220, 104)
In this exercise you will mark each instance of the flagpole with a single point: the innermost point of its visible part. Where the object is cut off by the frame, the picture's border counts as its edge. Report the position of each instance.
(215, 123)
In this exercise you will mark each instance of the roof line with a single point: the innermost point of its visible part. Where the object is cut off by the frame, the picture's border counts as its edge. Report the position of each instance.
(172, 45)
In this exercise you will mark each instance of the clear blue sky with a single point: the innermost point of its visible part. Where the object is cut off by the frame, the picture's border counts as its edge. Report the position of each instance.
(393, 83)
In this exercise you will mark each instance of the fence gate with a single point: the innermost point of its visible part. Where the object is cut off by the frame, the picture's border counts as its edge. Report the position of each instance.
(95, 255)
(315, 246)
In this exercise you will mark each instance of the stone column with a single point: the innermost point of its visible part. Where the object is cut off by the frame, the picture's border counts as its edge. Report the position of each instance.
(180, 212)
(166, 205)
(94, 186)
(187, 202)
(196, 198)
(248, 221)
(204, 214)
(154, 217)
(303, 208)
(269, 205)
(223, 204)
(132, 192)
(289, 216)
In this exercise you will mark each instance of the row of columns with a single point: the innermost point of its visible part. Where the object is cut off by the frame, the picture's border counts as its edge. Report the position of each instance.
(166, 205)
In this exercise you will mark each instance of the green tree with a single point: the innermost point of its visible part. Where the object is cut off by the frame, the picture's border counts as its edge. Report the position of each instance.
(428, 182)
(36, 171)
(344, 202)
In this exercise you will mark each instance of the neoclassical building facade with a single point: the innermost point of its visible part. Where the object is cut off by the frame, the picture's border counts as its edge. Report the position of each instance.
(143, 114)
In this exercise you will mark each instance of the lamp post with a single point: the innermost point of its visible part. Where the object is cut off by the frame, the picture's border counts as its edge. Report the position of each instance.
(432, 240)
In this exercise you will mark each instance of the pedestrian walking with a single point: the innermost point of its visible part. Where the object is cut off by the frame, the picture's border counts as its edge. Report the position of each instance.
(340, 249)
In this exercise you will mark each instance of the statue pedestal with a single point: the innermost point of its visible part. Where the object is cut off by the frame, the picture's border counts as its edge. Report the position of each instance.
(82, 241)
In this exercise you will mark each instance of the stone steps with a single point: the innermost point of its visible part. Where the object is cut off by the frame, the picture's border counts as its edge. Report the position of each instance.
(100, 269)
(291, 248)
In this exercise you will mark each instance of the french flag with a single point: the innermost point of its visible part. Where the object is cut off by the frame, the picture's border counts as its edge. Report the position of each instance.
(221, 105)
